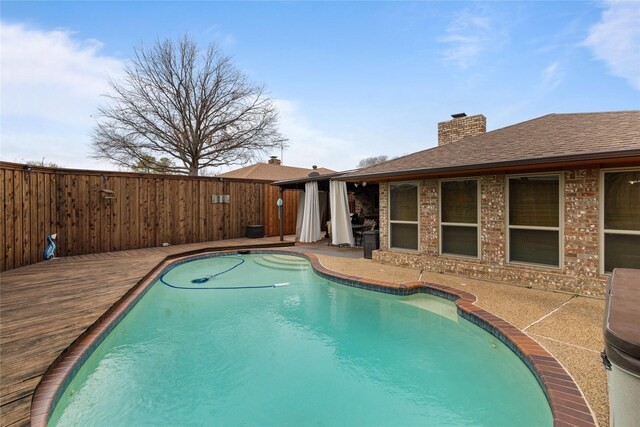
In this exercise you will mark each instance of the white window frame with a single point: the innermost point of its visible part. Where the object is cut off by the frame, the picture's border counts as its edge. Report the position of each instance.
(602, 230)
(559, 229)
(390, 221)
(457, 224)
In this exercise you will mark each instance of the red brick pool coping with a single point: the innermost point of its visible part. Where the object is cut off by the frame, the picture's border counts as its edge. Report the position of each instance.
(567, 402)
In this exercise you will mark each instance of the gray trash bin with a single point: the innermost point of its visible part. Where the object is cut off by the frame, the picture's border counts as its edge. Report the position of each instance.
(621, 354)
(370, 242)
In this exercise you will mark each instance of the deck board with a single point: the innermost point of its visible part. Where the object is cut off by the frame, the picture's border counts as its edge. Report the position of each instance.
(44, 307)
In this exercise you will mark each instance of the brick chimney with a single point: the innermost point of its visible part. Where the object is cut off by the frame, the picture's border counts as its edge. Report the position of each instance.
(274, 160)
(460, 127)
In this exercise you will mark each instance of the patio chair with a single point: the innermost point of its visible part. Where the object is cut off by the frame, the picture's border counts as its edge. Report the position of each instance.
(358, 233)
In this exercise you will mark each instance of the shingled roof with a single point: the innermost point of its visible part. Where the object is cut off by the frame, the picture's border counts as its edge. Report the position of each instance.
(548, 139)
(271, 172)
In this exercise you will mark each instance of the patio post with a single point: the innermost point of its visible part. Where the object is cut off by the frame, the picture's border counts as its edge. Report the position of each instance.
(281, 191)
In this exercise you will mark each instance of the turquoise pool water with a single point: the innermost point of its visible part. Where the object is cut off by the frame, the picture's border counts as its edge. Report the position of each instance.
(306, 351)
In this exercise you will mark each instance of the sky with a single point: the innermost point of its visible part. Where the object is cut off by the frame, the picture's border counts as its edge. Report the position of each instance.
(350, 79)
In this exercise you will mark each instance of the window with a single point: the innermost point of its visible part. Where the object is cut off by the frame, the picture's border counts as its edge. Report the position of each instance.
(534, 219)
(403, 216)
(459, 217)
(621, 220)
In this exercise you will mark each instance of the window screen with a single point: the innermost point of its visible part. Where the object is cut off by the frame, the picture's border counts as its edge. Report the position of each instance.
(459, 217)
(621, 220)
(403, 216)
(534, 219)
(404, 202)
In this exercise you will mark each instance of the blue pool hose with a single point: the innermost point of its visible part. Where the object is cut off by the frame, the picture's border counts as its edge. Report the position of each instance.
(206, 279)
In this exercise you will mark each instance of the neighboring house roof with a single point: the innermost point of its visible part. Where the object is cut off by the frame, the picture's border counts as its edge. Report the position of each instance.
(547, 139)
(271, 172)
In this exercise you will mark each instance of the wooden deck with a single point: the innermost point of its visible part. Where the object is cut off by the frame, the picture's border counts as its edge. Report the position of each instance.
(44, 307)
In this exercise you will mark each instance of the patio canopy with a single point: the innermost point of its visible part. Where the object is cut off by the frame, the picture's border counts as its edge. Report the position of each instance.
(300, 183)
(313, 199)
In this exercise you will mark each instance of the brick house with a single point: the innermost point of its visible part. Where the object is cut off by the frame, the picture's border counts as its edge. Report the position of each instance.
(552, 202)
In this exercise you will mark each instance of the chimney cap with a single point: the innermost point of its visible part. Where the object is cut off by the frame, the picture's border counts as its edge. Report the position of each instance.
(273, 157)
(459, 115)
(315, 166)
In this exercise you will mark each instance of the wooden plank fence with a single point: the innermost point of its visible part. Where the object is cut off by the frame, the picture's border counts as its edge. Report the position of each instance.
(99, 211)
(289, 210)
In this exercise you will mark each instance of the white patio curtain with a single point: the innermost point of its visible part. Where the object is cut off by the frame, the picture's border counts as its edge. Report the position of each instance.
(340, 220)
(310, 230)
(300, 215)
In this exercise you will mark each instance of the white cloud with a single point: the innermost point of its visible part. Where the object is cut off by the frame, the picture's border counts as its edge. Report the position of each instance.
(59, 147)
(221, 37)
(615, 40)
(551, 76)
(51, 85)
(468, 36)
(310, 146)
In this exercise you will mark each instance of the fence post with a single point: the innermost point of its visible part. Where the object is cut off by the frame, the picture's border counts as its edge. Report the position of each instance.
(281, 194)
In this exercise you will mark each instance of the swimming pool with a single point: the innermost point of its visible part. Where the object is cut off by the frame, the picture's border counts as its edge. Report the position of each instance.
(262, 339)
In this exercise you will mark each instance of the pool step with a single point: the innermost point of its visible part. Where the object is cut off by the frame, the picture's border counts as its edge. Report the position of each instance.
(283, 262)
(286, 259)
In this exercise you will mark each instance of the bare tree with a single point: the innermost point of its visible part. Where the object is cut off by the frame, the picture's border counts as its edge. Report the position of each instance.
(370, 161)
(42, 163)
(190, 106)
(152, 165)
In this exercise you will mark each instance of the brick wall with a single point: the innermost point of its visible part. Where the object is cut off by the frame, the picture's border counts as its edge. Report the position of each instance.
(456, 129)
(580, 269)
(581, 217)
(493, 218)
(429, 244)
(384, 215)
